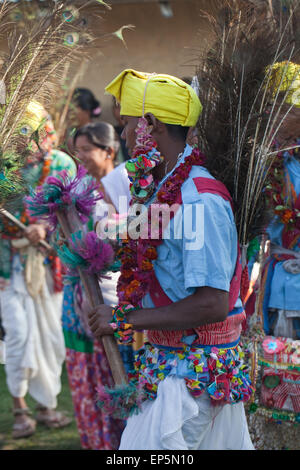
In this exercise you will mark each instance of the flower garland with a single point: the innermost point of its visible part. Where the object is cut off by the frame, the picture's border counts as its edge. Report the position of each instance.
(283, 205)
(145, 158)
(137, 256)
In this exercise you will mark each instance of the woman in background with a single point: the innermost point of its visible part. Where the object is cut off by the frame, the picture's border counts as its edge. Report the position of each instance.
(84, 109)
(31, 292)
(96, 146)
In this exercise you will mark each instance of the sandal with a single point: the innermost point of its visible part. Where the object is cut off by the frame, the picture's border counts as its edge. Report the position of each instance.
(52, 418)
(25, 428)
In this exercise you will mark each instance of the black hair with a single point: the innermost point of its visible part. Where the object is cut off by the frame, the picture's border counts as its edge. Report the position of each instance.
(100, 134)
(187, 80)
(85, 100)
(177, 132)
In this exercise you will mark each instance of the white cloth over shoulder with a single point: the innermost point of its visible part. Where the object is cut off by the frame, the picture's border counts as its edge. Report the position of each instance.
(116, 185)
(176, 420)
(34, 341)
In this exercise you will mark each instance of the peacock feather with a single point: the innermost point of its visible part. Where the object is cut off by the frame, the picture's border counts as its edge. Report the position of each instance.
(240, 104)
(39, 43)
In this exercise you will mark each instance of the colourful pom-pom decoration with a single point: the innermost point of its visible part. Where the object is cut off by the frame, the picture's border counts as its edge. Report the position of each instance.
(60, 192)
(123, 331)
(88, 252)
(145, 158)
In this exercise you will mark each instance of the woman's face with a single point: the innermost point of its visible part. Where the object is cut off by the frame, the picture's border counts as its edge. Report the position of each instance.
(93, 158)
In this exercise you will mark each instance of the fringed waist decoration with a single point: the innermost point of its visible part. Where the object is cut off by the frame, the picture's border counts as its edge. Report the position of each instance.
(222, 373)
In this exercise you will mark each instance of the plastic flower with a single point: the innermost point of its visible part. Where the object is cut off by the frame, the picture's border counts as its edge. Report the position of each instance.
(272, 345)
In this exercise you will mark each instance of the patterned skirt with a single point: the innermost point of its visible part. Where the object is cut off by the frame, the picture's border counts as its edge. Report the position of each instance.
(87, 367)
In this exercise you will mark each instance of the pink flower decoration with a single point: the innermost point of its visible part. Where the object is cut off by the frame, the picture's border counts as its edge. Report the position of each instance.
(272, 345)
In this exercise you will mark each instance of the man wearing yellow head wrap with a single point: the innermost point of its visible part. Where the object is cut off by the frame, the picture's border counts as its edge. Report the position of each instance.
(171, 106)
(170, 99)
(280, 286)
(30, 290)
(186, 278)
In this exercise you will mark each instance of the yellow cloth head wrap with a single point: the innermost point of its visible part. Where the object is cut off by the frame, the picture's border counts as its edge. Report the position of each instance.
(286, 76)
(168, 98)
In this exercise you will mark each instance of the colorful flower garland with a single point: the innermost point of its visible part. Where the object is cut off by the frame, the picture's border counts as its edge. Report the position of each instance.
(123, 331)
(137, 256)
(145, 158)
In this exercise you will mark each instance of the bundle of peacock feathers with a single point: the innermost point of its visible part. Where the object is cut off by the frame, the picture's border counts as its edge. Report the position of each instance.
(241, 101)
(31, 69)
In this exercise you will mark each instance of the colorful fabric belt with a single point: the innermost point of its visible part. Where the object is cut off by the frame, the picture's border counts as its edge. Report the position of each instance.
(220, 372)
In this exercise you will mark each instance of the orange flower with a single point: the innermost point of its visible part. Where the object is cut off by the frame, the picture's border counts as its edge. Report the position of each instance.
(151, 253)
(146, 265)
(286, 216)
(45, 170)
(132, 287)
(126, 273)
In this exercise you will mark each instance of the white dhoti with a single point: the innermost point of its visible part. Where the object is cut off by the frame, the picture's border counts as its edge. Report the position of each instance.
(176, 420)
(34, 340)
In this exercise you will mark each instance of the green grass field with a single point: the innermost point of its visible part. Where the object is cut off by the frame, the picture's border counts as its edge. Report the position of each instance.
(44, 438)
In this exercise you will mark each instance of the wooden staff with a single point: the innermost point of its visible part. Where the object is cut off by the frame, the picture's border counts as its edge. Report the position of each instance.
(70, 223)
(17, 222)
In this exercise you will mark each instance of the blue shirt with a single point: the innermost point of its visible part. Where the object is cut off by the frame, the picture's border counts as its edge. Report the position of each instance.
(206, 253)
(285, 287)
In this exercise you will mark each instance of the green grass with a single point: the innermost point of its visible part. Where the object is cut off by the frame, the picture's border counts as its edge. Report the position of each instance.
(44, 439)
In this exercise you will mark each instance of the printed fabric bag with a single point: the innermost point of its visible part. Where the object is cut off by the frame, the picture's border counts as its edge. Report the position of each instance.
(280, 380)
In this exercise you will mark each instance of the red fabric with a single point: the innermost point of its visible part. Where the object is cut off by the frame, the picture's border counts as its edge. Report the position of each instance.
(97, 430)
(208, 185)
(56, 267)
(213, 334)
(286, 395)
(245, 283)
(287, 388)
